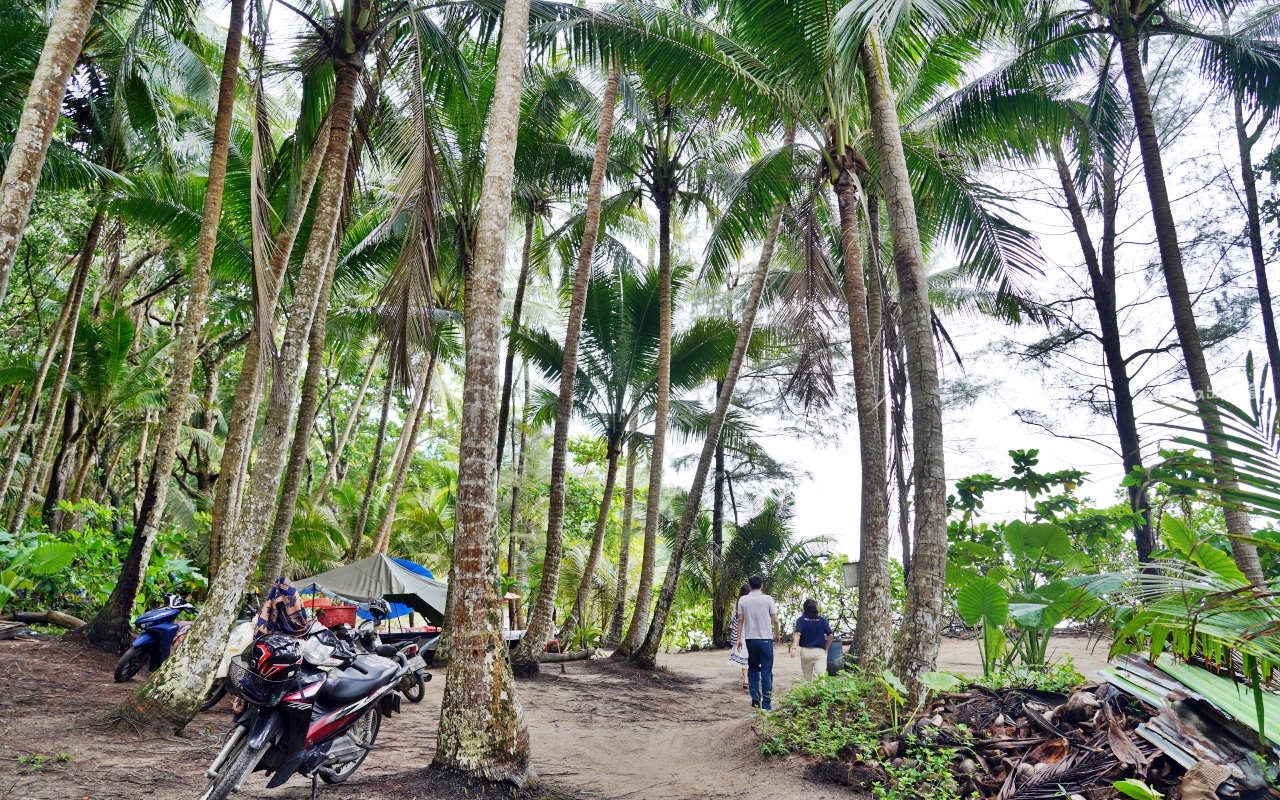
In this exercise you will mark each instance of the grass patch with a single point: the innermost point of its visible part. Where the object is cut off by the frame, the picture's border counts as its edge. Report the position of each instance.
(1049, 678)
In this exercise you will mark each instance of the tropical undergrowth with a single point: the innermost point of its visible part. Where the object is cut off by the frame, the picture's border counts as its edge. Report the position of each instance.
(855, 719)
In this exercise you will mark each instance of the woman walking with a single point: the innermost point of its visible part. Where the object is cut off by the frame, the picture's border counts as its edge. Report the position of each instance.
(737, 648)
(812, 638)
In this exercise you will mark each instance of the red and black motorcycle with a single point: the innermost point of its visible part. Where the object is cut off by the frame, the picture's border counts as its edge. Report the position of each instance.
(311, 708)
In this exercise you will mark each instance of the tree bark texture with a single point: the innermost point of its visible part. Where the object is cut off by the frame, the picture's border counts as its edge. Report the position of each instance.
(73, 302)
(400, 472)
(114, 625)
(917, 646)
(614, 635)
(1184, 320)
(646, 654)
(173, 693)
(578, 612)
(517, 305)
(524, 658)
(243, 419)
(482, 729)
(39, 119)
(875, 598)
(273, 558)
(1102, 277)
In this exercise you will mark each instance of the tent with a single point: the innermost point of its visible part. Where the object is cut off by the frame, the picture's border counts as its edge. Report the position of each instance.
(389, 578)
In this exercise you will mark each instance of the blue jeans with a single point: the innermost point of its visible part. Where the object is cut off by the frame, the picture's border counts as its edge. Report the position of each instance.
(760, 671)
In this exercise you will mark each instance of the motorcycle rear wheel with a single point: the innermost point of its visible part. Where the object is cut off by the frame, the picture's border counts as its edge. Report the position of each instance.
(413, 687)
(238, 763)
(216, 693)
(364, 732)
(130, 663)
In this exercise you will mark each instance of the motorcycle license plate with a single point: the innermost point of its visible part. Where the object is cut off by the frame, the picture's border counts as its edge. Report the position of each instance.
(416, 663)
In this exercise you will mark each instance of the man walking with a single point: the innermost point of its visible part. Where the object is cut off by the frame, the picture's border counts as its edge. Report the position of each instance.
(758, 629)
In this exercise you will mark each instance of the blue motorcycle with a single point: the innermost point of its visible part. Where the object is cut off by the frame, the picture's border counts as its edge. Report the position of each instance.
(161, 631)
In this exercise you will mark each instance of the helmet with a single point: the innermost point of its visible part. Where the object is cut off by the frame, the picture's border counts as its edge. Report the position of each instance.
(276, 657)
(380, 608)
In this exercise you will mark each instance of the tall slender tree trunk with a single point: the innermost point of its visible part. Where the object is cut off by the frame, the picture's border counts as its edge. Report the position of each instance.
(248, 395)
(111, 627)
(875, 600)
(375, 468)
(614, 635)
(646, 654)
(39, 118)
(634, 641)
(517, 305)
(917, 646)
(579, 610)
(74, 300)
(1249, 179)
(14, 449)
(524, 659)
(173, 693)
(278, 542)
(422, 394)
(719, 610)
(331, 469)
(1184, 320)
(68, 442)
(482, 729)
(1102, 277)
(517, 482)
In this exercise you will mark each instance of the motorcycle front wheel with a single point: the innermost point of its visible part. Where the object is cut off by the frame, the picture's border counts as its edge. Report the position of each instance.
(130, 663)
(216, 693)
(238, 763)
(413, 687)
(363, 732)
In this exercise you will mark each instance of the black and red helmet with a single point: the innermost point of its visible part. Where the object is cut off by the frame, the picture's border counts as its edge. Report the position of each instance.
(276, 657)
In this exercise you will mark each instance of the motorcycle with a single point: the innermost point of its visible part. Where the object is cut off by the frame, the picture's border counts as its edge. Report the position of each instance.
(311, 709)
(365, 638)
(161, 632)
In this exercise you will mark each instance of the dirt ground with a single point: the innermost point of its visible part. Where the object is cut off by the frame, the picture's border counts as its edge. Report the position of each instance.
(598, 730)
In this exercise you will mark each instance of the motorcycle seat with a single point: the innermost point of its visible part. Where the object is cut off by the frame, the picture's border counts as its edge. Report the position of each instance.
(345, 685)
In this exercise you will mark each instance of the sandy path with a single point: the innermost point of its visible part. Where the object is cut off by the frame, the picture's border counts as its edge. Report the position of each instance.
(598, 729)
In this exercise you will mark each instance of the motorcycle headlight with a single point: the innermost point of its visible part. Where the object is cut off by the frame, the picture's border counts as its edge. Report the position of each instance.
(315, 652)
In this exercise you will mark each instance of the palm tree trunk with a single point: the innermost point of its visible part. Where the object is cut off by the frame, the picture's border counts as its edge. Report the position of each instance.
(37, 388)
(875, 602)
(39, 118)
(278, 542)
(614, 634)
(719, 614)
(111, 627)
(579, 611)
(1102, 278)
(248, 394)
(645, 655)
(1249, 179)
(173, 693)
(375, 468)
(422, 393)
(517, 481)
(331, 469)
(482, 729)
(504, 413)
(634, 641)
(75, 297)
(917, 646)
(1184, 320)
(68, 443)
(524, 659)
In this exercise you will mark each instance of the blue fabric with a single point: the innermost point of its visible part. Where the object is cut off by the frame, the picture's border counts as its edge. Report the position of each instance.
(760, 671)
(415, 568)
(813, 632)
(397, 610)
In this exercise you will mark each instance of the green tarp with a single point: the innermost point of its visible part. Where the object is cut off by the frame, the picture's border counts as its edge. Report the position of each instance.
(380, 576)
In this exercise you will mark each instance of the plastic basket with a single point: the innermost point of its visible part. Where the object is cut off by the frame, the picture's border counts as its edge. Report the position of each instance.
(334, 616)
(253, 688)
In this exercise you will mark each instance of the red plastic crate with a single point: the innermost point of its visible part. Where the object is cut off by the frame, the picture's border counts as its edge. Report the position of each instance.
(334, 616)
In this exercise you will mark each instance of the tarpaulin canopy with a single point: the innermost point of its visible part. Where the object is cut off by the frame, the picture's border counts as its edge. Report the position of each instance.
(380, 576)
